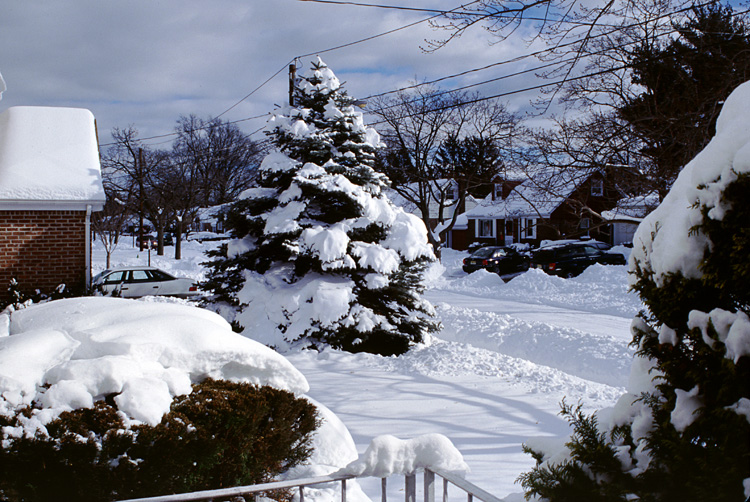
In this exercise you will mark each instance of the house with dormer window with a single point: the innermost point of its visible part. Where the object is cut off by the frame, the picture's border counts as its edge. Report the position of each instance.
(549, 205)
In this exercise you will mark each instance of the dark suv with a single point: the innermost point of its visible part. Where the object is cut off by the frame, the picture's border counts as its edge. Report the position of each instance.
(568, 260)
(501, 260)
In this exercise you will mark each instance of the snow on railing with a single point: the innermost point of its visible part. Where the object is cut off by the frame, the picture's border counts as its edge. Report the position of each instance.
(410, 489)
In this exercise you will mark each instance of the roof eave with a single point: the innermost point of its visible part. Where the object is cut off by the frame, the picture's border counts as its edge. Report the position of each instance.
(50, 205)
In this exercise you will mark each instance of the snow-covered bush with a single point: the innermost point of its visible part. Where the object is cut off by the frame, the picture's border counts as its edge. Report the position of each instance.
(18, 298)
(682, 432)
(222, 434)
(105, 397)
(320, 255)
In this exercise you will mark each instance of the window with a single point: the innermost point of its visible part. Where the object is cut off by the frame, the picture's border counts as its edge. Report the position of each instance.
(485, 228)
(498, 191)
(597, 187)
(528, 228)
(139, 276)
(451, 192)
(585, 223)
(114, 278)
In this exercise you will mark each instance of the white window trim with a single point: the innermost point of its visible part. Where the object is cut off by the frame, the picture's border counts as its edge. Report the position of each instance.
(528, 228)
(479, 228)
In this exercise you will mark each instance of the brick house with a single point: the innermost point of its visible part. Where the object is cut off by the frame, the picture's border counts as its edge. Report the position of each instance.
(50, 183)
(548, 206)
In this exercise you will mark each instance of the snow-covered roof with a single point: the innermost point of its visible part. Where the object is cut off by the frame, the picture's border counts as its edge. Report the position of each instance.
(633, 208)
(537, 197)
(49, 159)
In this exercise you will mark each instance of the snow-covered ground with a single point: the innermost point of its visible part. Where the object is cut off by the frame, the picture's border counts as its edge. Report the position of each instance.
(494, 376)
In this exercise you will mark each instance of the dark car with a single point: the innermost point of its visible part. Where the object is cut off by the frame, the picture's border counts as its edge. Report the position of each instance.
(569, 260)
(501, 260)
(148, 241)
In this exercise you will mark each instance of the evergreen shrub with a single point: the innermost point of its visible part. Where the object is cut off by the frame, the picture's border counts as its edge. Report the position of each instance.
(223, 434)
(686, 435)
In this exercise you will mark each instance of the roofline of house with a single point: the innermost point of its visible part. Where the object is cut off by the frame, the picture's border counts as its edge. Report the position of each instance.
(50, 205)
(506, 216)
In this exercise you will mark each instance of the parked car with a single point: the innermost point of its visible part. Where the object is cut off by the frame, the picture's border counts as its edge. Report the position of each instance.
(501, 260)
(148, 241)
(591, 242)
(134, 282)
(570, 259)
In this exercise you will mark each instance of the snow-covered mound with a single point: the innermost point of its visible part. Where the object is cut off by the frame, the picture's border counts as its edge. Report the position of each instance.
(602, 289)
(67, 354)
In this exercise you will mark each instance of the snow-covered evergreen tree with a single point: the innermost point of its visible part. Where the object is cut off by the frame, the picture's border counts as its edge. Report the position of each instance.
(682, 432)
(320, 255)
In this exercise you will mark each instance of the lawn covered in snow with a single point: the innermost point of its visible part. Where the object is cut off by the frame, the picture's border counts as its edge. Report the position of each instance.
(493, 377)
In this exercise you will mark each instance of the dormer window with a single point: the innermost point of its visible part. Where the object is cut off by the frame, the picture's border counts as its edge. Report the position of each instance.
(451, 193)
(498, 191)
(597, 187)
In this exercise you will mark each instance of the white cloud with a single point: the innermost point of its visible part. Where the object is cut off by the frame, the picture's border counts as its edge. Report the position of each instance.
(145, 63)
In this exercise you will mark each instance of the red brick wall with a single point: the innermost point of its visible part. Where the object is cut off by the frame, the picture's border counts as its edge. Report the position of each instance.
(42, 249)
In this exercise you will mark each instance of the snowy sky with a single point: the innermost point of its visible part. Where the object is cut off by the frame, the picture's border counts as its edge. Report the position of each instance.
(146, 63)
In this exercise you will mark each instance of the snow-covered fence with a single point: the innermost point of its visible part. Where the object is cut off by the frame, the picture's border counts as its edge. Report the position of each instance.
(410, 489)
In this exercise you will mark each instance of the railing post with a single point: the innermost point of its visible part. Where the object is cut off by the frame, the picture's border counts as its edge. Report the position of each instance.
(343, 490)
(301, 493)
(383, 487)
(429, 486)
(445, 490)
(410, 488)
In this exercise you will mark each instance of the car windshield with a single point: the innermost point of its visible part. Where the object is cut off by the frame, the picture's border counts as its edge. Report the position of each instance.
(99, 276)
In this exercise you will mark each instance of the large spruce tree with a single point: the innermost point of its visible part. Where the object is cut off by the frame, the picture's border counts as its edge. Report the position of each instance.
(320, 255)
(682, 432)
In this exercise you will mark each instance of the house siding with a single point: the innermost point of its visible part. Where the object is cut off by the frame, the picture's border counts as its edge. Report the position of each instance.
(42, 249)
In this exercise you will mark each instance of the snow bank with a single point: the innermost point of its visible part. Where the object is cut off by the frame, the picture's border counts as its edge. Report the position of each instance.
(67, 354)
(388, 455)
(599, 289)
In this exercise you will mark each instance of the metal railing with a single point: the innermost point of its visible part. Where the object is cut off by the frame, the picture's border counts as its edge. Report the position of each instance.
(410, 489)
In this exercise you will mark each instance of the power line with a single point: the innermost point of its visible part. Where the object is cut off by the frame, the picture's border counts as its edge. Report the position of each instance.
(256, 89)
(171, 134)
(440, 79)
(349, 44)
(503, 77)
(539, 52)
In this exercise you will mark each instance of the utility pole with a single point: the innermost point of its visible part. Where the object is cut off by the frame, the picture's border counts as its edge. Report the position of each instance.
(141, 169)
(292, 79)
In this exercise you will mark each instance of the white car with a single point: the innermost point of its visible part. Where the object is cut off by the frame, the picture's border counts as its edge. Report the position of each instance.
(134, 282)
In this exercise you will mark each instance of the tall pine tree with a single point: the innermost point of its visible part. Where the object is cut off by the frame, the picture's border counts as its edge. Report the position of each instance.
(320, 255)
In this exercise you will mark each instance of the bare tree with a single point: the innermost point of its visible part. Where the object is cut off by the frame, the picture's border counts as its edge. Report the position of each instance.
(416, 125)
(223, 158)
(109, 224)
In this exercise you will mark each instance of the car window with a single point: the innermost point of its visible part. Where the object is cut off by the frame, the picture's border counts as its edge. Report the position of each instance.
(114, 278)
(575, 252)
(158, 275)
(500, 252)
(139, 276)
(590, 251)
